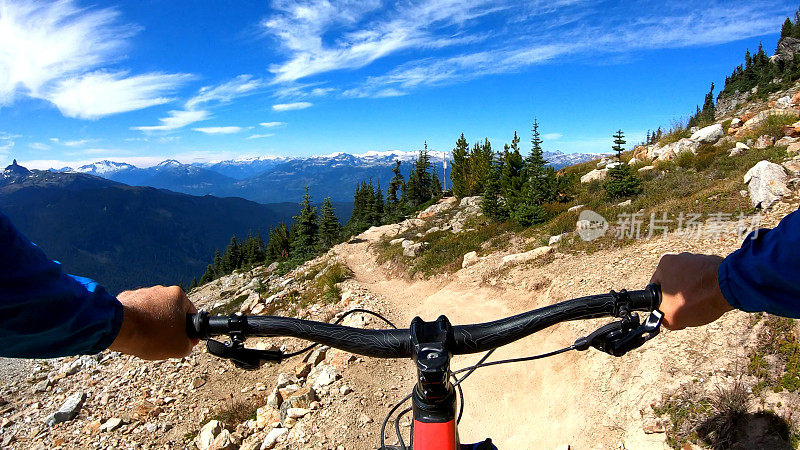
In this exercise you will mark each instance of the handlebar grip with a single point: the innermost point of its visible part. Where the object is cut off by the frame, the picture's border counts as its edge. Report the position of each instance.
(647, 299)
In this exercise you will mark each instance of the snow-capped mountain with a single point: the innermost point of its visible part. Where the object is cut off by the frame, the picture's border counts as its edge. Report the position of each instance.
(272, 179)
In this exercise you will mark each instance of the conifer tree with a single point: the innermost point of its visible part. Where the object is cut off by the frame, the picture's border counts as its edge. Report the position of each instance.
(378, 205)
(329, 227)
(209, 275)
(493, 205)
(396, 185)
(621, 181)
(511, 178)
(787, 28)
(279, 244)
(459, 170)
(419, 188)
(193, 283)
(304, 243)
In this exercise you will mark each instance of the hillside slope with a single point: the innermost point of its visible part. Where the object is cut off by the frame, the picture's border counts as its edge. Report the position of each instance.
(127, 236)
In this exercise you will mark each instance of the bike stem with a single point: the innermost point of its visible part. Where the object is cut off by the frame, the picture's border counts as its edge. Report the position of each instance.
(434, 396)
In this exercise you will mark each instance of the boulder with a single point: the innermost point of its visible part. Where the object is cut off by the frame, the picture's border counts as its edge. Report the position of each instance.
(266, 416)
(736, 122)
(784, 102)
(224, 441)
(519, 258)
(792, 166)
(764, 142)
(766, 184)
(594, 175)
(68, 411)
(785, 141)
(272, 437)
(207, 434)
(412, 250)
(470, 259)
(646, 168)
(654, 151)
(556, 239)
(793, 149)
(709, 134)
(790, 131)
(640, 152)
(471, 201)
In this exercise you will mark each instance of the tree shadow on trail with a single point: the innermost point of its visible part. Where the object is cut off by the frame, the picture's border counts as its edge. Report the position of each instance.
(739, 431)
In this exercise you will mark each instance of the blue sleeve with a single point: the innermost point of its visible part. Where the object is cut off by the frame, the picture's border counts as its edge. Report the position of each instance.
(44, 312)
(764, 274)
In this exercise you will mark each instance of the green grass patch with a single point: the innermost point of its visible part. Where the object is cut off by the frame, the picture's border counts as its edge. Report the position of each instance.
(777, 339)
(772, 126)
(229, 307)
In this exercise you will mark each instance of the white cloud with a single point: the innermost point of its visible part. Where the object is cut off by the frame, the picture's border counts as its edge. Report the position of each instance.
(552, 136)
(291, 106)
(196, 108)
(218, 130)
(39, 146)
(175, 120)
(300, 27)
(100, 94)
(53, 51)
(7, 142)
(273, 124)
(259, 136)
(225, 92)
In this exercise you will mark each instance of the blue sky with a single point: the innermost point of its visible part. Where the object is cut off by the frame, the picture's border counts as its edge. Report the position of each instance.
(146, 80)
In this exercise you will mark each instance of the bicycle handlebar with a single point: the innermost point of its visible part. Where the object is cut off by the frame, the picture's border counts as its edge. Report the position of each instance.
(397, 343)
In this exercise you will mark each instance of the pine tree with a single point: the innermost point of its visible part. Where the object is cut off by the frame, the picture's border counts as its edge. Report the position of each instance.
(787, 28)
(329, 227)
(217, 265)
(618, 144)
(511, 178)
(378, 205)
(232, 258)
(460, 170)
(493, 205)
(419, 188)
(396, 185)
(622, 181)
(304, 243)
(278, 246)
(193, 283)
(209, 275)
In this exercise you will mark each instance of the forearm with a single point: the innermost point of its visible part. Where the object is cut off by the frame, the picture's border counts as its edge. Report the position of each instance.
(764, 274)
(44, 312)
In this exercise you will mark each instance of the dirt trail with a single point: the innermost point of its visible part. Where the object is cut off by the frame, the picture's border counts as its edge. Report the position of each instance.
(586, 399)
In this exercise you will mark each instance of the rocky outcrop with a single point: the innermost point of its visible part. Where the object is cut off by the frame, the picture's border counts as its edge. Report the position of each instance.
(766, 184)
(519, 258)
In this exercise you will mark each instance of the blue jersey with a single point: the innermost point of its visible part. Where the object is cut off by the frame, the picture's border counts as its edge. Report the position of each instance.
(764, 274)
(44, 312)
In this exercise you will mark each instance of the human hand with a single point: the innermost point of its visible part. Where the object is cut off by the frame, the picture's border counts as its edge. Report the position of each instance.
(154, 323)
(690, 290)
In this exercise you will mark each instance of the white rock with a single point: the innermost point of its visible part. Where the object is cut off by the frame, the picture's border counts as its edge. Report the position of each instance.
(412, 250)
(519, 258)
(736, 122)
(327, 375)
(575, 208)
(345, 389)
(471, 201)
(709, 134)
(68, 411)
(784, 102)
(766, 184)
(742, 146)
(396, 241)
(470, 259)
(208, 433)
(646, 168)
(111, 424)
(594, 175)
(405, 243)
(556, 239)
(625, 203)
(272, 437)
(297, 413)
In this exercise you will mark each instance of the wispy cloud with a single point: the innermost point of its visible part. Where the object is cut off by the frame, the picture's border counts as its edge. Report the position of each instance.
(197, 108)
(300, 27)
(218, 130)
(39, 146)
(260, 136)
(552, 136)
(291, 106)
(7, 142)
(57, 51)
(273, 124)
(322, 36)
(176, 119)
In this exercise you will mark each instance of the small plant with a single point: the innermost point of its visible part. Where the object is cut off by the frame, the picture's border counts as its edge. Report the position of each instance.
(777, 338)
(730, 407)
(235, 411)
(229, 307)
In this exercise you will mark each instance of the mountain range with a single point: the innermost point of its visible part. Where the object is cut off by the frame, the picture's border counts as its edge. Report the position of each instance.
(274, 179)
(126, 236)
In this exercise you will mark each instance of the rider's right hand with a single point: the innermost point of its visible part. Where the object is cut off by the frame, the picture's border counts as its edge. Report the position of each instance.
(154, 323)
(691, 296)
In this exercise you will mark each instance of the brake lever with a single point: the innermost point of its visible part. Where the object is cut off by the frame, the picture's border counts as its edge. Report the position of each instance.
(242, 357)
(620, 337)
